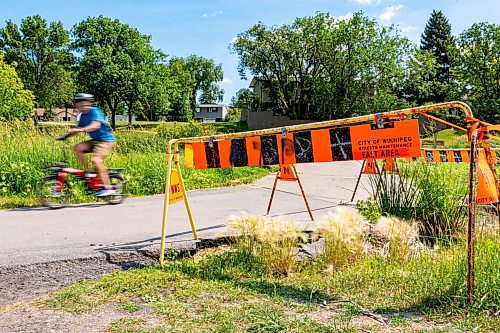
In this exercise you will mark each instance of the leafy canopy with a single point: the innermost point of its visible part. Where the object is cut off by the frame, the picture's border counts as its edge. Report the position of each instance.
(41, 52)
(15, 101)
(321, 67)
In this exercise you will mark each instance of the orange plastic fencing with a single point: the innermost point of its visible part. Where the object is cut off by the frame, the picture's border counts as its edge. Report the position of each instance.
(445, 155)
(395, 139)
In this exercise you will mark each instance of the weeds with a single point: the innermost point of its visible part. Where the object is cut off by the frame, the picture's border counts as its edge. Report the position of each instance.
(430, 193)
(344, 233)
(273, 241)
(400, 237)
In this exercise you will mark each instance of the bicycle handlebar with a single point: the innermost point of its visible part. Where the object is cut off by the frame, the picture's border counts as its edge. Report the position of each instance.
(62, 138)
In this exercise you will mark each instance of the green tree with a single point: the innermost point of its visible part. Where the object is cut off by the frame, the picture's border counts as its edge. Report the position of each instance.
(246, 99)
(233, 114)
(181, 89)
(479, 69)
(15, 101)
(43, 59)
(437, 39)
(320, 67)
(115, 60)
(204, 77)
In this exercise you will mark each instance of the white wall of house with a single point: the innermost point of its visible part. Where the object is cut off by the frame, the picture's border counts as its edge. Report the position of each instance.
(210, 112)
(120, 117)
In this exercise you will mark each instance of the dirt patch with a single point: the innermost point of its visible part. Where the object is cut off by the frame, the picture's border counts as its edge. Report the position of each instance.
(28, 318)
(26, 282)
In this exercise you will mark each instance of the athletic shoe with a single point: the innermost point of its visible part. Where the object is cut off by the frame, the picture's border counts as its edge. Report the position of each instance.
(105, 193)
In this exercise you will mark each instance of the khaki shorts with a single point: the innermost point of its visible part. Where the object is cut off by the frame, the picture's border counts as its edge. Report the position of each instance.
(99, 148)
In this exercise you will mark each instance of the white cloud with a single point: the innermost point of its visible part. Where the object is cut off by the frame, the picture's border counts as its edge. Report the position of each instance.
(234, 40)
(345, 17)
(367, 2)
(227, 81)
(212, 13)
(408, 28)
(389, 12)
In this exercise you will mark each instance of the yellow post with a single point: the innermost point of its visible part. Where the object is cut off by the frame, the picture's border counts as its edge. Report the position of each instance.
(183, 190)
(166, 204)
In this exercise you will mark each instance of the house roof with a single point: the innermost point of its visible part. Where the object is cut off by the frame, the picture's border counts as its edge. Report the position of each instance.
(254, 81)
(40, 112)
(211, 105)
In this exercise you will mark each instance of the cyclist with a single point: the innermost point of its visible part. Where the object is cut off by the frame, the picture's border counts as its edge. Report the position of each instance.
(102, 141)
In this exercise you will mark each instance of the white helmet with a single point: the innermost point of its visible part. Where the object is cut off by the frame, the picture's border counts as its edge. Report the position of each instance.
(83, 97)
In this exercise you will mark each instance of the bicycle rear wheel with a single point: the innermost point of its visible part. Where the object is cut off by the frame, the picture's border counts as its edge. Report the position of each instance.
(118, 184)
(53, 193)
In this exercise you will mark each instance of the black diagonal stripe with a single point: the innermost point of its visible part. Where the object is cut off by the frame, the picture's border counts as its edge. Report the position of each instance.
(239, 156)
(269, 149)
(443, 156)
(340, 143)
(212, 153)
(302, 144)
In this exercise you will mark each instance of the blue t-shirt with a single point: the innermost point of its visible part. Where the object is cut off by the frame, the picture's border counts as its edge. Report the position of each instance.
(102, 134)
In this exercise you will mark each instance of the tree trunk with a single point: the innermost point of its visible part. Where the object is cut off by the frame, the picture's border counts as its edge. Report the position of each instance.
(130, 114)
(113, 120)
(112, 107)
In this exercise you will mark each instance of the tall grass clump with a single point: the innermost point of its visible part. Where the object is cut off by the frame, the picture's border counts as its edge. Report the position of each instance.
(400, 238)
(433, 194)
(344, 233)
(185, 130)
(273, 242)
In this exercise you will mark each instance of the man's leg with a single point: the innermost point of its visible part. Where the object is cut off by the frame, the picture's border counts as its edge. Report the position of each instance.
(101, 150)
(80, 150)
(101, 170)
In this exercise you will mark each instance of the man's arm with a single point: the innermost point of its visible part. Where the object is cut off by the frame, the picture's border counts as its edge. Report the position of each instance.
(93, 126)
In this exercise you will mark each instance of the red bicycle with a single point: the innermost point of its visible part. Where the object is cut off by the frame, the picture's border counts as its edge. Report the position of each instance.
(54, 190)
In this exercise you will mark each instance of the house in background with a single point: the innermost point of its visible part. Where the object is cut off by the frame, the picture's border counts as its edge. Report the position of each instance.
(210, 113)
(257, 86)
(58, 114)
(124, 117)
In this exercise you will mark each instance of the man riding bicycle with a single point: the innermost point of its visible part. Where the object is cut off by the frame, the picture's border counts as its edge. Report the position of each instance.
(102, 141)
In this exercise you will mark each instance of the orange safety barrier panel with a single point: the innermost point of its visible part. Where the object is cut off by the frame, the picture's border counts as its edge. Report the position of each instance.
(394, 139)
(486, 191)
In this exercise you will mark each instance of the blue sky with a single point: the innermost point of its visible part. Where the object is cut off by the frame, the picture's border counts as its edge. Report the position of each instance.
(206, 28)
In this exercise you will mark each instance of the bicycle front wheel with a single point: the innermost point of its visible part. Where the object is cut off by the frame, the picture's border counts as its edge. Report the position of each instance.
(53, 193)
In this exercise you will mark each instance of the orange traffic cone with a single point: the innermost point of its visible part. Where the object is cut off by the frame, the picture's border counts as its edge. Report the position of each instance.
(370, 167)
(390, 165)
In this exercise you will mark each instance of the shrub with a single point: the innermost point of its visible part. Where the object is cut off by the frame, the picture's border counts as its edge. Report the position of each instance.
(400, 238)
(344, 234)
(430, 193)
(184, 130)
(274, 242)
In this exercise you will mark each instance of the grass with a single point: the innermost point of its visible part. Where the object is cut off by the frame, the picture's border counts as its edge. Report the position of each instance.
(452, 138)
(273, 242)
(344, 234)
(226, 292)
(431, 193)
(26, 150)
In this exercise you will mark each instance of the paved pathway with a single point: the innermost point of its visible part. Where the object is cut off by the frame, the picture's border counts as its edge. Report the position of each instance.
(35, 235)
